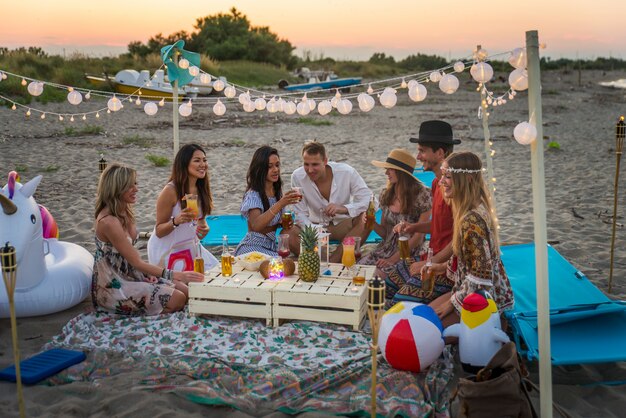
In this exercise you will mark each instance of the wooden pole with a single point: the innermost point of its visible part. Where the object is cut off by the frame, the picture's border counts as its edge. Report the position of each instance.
(619, 144)
(175, 110)
(541, 237)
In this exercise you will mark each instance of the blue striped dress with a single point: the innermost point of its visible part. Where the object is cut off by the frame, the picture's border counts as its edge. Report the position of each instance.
(255, 241)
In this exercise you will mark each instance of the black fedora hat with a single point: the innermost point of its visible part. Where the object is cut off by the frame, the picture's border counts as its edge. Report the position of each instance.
(435, 131)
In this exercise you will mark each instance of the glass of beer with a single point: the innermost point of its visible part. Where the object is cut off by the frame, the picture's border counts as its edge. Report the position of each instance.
(403, 248)
(287, 220)
(227, 264)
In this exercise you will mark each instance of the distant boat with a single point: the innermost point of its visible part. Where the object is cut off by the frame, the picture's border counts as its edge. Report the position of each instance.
(320, 80)
(130, 81)
(618, 84)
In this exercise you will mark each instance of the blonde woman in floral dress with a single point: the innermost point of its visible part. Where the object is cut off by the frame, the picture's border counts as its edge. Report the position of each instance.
(122, 282)
(475, 264)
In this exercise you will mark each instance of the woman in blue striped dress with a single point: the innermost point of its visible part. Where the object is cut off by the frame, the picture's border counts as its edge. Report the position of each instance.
(264, 203)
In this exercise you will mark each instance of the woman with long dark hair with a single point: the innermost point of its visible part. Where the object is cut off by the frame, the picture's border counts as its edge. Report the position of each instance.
(174, 241)
(122, 282)
(264, 203)
(404, 199)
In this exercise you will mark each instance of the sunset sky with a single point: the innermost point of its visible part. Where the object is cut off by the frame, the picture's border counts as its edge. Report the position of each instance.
(343, 29)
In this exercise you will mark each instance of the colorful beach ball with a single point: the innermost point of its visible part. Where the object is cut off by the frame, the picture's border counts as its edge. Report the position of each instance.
(49, 225)
(410, 336)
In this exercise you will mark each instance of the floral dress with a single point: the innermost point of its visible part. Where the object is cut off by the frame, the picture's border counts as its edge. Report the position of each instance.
(479, 265)
(422, 203)
(120, 288)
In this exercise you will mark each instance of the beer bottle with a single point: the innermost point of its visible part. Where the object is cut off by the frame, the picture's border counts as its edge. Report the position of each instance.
(227, 261)
(370, 215)
(428, 279)
(198, 262)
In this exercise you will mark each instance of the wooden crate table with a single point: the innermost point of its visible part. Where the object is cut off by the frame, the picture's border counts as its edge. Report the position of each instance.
(244, 294)
(331, 298)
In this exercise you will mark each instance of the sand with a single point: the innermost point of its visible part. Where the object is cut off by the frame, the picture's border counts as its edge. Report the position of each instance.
(579, 195)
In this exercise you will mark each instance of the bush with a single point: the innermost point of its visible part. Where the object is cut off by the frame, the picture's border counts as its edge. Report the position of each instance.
(157, 160)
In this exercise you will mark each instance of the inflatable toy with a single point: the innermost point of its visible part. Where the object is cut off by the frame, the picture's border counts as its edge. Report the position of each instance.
(410, 336)
(52, 275)
(479, 332)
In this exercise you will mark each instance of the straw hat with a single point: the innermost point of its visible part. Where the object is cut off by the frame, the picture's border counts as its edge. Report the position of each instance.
(399, 159)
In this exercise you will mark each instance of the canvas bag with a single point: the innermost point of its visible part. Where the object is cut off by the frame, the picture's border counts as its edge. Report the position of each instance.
(498, 390)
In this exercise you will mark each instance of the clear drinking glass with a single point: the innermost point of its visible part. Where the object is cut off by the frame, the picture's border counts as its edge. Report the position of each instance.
(192, 203)
(348, 259)
(283, 246)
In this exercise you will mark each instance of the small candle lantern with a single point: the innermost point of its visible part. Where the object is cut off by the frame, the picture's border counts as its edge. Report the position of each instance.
(9, 274)
(375, 311)
(276, 268)
(102, 164)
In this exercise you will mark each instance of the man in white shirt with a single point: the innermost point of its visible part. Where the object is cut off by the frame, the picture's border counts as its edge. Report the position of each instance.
(332, 189)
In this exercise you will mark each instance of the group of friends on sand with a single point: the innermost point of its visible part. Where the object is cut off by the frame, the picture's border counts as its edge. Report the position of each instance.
(456, 211)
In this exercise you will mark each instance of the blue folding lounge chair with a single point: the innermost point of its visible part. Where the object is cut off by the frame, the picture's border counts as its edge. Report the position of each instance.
(585, 325)
(235, 226)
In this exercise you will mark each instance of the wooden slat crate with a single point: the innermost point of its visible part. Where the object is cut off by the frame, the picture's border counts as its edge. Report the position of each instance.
(332, 298)
(244, 294)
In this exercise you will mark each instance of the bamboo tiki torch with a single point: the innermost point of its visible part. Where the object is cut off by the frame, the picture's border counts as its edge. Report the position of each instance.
(620, 132)
(375, 305)
(102, 164)
(9, 273)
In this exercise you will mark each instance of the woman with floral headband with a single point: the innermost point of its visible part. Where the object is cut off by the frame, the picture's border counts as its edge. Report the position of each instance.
(475, 264)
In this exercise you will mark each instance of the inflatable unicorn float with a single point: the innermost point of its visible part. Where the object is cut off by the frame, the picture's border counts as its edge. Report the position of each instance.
(52, 275)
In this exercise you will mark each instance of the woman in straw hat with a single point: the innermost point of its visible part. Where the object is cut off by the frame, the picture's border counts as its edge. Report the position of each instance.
(404, 198)
(475, 264)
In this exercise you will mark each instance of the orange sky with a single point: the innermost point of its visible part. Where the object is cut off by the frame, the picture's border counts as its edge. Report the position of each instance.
(338, 28)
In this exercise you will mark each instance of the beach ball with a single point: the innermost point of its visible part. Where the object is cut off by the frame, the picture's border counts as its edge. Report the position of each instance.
(410, 336)
(48, 224)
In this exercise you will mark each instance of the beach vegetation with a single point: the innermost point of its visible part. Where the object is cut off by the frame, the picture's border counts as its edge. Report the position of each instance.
(157, 160)
(554, 145)
(20, 168)
(51, 168)
(238, 142)
(138, 140)
(314, 122)
(83, 131)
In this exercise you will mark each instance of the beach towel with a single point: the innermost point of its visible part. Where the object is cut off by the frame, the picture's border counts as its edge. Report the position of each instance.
(300, 366)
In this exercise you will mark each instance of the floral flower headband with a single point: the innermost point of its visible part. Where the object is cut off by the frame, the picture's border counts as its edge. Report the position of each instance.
(464, 170)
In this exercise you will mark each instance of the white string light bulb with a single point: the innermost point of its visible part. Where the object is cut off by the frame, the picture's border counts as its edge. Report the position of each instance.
(185, 109)
(24, 82)
(28, 113)
(370, 90)
(114, 104)
(183, 64)
(403, 84)
(366, 102)
(72, 118)
(138, 101)
(205, 78)
(525, 133)
(312, 104)
(388, 99)
(449, 84)
(43, 116)
(61, 118)
(219, 109)
(324, 107)
(281, 103)
(435, 76)
(418, 93)
(411, 84)
(244, 98)
(218, 85)
(272, 107)
(88, 95)
(13, 107)
(162, 102)
(35, 88)
(260, 103)
(230, 92)
(518, 58)
(518, 79)
(249, 106)
(194, 71)
(74, 97)
(290, 108)
(84, 117)
(481, 72)
(303, 109)
(459, 67)
(150, 108)
(344, 106)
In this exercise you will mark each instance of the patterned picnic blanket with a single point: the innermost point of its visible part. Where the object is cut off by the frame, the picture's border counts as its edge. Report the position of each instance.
(300, 366)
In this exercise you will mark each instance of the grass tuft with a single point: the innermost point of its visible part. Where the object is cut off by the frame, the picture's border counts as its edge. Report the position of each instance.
(314, 122)
(157, 160)
(140, 141)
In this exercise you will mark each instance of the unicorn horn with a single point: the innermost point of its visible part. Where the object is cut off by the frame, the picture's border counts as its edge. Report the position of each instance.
(8, 207)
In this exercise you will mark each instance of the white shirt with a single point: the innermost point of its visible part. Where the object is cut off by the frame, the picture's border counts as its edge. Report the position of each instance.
(347, 189)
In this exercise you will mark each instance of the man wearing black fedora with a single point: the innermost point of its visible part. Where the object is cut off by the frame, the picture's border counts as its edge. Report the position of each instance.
(435, 142)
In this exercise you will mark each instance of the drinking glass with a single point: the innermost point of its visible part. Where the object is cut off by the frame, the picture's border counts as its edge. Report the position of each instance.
(298, 191)
(283, 246)
(324, 220)
(403, 242)
(287, 218)
(347, 258)
(192, 203)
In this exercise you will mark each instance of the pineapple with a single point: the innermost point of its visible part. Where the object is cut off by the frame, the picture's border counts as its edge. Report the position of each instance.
(309, 260)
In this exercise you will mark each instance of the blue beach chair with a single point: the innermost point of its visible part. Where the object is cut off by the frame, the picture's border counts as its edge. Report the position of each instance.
(585, 325)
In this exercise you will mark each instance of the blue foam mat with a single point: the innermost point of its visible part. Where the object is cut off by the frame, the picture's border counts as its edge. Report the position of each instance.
(585, 325)
(235, 226)
(43, 365)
